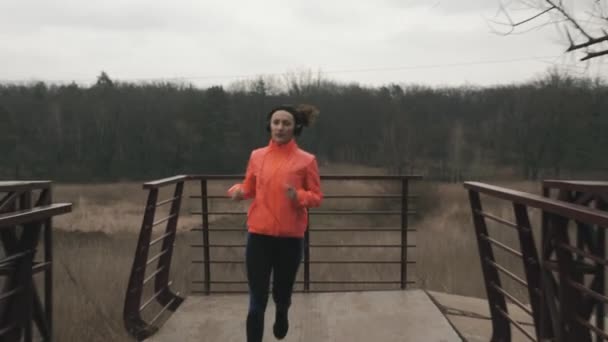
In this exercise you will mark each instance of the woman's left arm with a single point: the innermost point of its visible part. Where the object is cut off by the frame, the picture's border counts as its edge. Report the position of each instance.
(311, 195)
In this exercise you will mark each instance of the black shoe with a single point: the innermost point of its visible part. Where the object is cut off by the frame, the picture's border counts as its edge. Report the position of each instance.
(281, 325)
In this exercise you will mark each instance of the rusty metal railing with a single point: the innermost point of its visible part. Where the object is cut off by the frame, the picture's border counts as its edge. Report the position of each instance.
(140, 328)
(403, 212)
(583, 256)
(553, 309)
(159, 275)
(23, 219)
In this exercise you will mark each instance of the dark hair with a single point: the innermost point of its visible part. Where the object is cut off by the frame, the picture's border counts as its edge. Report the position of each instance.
(304, 115)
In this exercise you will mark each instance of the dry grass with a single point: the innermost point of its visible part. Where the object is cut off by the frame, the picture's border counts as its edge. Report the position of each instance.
(94, 247)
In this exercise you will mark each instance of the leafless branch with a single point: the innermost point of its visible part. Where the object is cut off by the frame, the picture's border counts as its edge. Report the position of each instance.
(562, 10)
(595, 54)
(590, 42)
(535, 16)
(581, 33)
(511, 25)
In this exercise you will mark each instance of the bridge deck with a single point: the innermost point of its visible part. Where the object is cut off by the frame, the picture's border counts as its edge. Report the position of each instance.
(352, 316)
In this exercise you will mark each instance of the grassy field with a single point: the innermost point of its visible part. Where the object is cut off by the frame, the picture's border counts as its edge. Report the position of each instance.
(95, 244)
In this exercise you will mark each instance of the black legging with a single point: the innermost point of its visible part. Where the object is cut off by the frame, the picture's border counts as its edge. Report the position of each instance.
(265, 254)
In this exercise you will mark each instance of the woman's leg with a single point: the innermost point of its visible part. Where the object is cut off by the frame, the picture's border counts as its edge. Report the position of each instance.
(285, 268)
(258, 258)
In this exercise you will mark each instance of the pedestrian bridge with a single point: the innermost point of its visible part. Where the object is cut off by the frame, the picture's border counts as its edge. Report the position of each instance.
(388, 316)
(561, 295)
(395, 316)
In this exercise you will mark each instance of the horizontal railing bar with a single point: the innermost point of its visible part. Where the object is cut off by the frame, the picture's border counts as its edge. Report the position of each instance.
(323, 177)
(315, 212)
(336, 196)
(595, 329)
(165, 181)
(156, 257)
(9, 260)
(583, 253)
(36, 268)
(35, 214)
(237, 282)
(361, 246)
(302, 291)
(243, 230)
(311, 262)
(141, 308)
(507, 272)
(515, 323)
(497, 219)
(163, 310)
(10, 293)
(218, 246)
(153, 275)
(218, 213)
(10, 186)
(359, 212)
(359, 230)
(565, 209)
(313, 246)
(502, 246)
(156, 223)
(588, 292)
(160, 238)
(359, 262)
(367, 196)
(210, 197)
(170, 200)
(41, 266)
(221, 292)
(363, 229)
(512, 299)
(352, 290)
(352, 282)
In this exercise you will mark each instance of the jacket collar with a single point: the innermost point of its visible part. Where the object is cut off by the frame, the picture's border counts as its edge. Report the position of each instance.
(287, 147)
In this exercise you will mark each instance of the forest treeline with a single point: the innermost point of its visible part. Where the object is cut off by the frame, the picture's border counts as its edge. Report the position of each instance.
(553, 126)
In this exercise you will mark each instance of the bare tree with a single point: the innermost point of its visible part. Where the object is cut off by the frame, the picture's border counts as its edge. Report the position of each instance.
(583, 22)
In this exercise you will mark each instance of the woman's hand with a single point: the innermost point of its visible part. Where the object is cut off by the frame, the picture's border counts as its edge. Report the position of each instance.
(291, 192)
(237, 194)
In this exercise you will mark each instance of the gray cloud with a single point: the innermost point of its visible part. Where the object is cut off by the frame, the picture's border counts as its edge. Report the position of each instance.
(64, 39)
(447, 6)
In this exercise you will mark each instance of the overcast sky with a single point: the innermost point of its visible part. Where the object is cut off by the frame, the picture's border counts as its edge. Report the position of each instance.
(433, 42)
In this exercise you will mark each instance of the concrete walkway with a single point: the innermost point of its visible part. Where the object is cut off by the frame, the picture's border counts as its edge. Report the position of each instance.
(387, 316)
(471, 317)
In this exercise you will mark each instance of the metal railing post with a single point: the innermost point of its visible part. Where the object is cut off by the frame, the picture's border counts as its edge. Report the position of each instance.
(161, 282)
(133, 321)
(501, 330)
(404, 224)
(205, 230)
(307, 257)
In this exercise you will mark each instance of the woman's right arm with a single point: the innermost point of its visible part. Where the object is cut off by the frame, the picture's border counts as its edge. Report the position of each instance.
(247, 188)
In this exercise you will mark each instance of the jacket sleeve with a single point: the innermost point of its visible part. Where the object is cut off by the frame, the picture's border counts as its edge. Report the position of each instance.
(248, 185)
(311, 195)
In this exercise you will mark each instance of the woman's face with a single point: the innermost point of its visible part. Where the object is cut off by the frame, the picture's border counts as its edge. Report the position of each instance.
(281, 126)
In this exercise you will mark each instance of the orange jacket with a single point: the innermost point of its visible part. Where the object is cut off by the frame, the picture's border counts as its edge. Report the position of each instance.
(269, 171)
